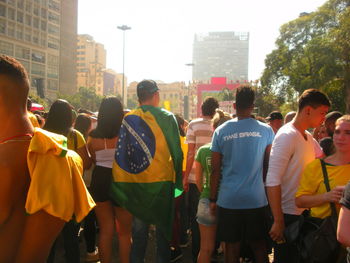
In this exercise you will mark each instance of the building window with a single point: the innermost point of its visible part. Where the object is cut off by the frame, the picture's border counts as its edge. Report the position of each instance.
(11, 2)
(11, 14)
(20, 4)
(54, 30)
(6, 48)
(43, 25)
(52, 84)
(28, 34)
(19, 17)
(38, 56)
(54, 5)
(36, 10)
(2, 26)
(38, 69)
(11, 29)
(29, 7)
(53, 43)
(19, 32)
(54, 18)
(35, 37)
(22, 52)
(43, 39)
(52, 72)
(25, 64)
(36, 23)
(43, 13)
(28, 20)
(3, 10)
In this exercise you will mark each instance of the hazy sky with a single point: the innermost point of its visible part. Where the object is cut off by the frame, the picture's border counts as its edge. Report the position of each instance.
(160, 42)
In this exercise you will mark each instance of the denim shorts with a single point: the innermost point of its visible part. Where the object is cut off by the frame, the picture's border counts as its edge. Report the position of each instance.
(204, 217)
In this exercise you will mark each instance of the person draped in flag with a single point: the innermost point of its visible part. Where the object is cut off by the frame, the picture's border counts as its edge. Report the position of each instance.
(147, 172)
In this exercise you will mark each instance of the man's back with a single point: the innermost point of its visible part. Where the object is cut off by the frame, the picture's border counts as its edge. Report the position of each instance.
(242, 144)
(15, 181)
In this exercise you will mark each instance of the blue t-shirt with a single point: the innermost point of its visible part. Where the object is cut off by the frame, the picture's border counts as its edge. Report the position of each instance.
(242, 144)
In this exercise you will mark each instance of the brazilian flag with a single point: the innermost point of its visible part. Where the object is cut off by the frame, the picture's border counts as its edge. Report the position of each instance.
(147, 172)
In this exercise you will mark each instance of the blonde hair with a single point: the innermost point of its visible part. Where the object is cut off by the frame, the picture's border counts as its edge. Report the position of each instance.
(345, 118)
(220, 117)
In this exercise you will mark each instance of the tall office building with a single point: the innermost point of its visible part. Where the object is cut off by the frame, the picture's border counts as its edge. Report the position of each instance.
(91, 67)
(220, 54)
(41, 34)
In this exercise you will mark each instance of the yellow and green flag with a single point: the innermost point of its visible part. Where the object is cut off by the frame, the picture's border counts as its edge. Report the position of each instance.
(147, 172)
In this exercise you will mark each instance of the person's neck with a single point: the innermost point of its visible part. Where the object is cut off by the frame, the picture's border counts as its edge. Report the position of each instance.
(241, 115)
(14, 123)
(147, 103)
(300, 123)
(339, 158)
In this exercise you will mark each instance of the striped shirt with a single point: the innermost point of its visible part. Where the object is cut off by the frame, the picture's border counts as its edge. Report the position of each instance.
(199, 132)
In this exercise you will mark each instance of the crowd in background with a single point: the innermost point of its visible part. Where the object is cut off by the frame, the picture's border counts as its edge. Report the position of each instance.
(246, 179)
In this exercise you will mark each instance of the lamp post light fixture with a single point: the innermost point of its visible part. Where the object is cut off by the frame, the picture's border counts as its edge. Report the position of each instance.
(124, 97)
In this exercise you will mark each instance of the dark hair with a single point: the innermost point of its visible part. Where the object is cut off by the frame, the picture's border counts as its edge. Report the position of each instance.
(83, 124)
(333, 116)
(59, 119)
(245, 97)
(209, 106)
(220, 117)
(80, 110)
(109, 120)
(313, 98)
(29, 104)
(39, 119)
(180, 122)
(14, 69)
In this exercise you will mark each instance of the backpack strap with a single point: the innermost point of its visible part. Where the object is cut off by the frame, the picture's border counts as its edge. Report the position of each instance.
(328, 188)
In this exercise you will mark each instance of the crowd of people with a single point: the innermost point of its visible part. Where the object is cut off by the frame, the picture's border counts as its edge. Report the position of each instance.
(222, 183)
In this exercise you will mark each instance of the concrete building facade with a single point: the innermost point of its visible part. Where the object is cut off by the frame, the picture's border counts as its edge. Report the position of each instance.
(41, 35)
(220, 54)
(91, 67)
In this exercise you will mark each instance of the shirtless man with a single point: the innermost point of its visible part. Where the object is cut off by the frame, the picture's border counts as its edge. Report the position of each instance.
(23, 238)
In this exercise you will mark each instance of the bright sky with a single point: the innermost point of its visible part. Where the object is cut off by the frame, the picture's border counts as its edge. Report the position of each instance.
(160, 42)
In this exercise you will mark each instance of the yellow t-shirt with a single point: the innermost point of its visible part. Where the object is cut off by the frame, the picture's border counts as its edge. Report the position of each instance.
(311, 183)
(74, 144)
(184, 148)
(33, 120)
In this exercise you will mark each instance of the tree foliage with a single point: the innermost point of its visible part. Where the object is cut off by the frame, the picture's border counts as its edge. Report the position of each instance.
(313, 51)
(85, 98)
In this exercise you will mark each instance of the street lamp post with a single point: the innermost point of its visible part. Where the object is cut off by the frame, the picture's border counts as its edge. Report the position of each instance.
(124, 28)
(187, 97)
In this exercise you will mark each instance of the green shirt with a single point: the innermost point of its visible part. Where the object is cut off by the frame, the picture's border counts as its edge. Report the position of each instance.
(203, 156)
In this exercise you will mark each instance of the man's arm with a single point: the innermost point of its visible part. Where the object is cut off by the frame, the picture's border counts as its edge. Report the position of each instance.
(216, 160)
(343, 232)
(274, 196)
(189, 163)
(36, 242)
(266, 161)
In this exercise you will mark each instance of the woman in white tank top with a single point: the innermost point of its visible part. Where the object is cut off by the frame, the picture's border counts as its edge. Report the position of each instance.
(102, 142)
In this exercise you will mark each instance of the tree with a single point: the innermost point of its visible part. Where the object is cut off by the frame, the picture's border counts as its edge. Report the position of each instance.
(85, 98)
(313, 52)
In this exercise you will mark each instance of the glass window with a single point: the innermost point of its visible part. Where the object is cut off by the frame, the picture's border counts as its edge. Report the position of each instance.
(2, 26)
(38, 56)
(54, 18)
(20, 4)
(19, 32)
(54, 5)
(11, 2)
(6, 48)
(38, 69)
(19, 17)
(3, 10)
(54, 30)
(43, 13)
(11, 29)
(43, 39)
(25, 64)
(28, 34)
(22, 52)
(36, 22)
(52, 72)
(28, 7)
(28, 20)
(36, 10)
(52, 84)
(43, 25)
(53, 43)
(35, 37)
(53, 60)
(11, 14)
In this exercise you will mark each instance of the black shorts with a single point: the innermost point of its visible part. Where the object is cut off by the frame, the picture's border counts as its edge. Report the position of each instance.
(101, 184)
(238, 225)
